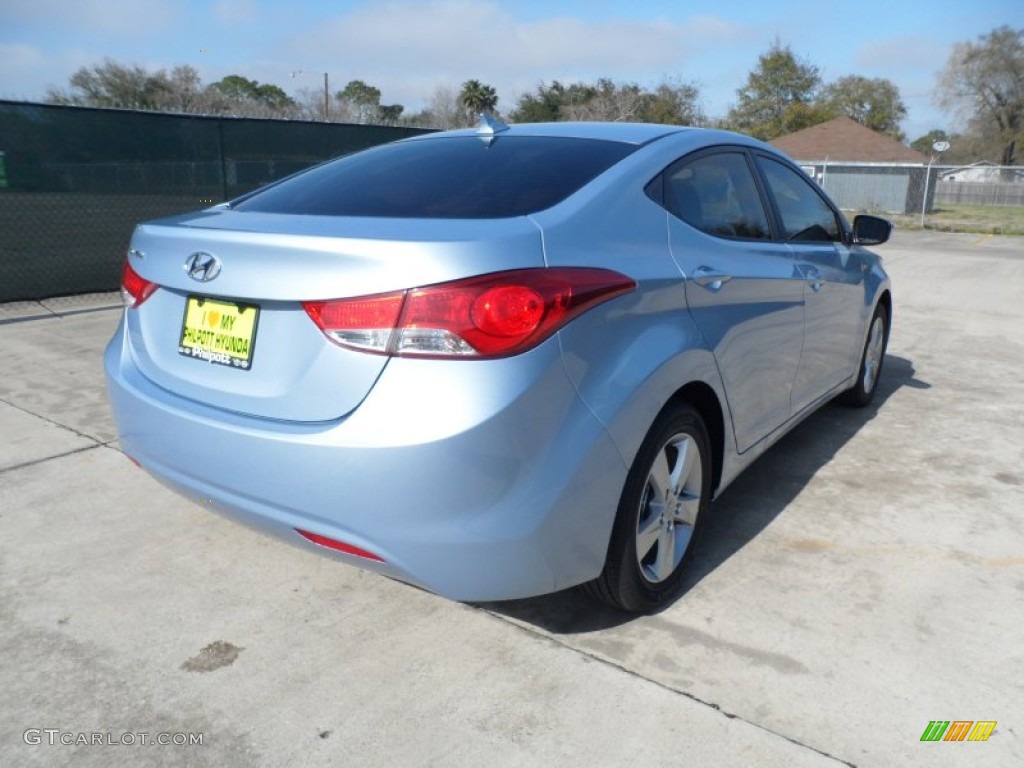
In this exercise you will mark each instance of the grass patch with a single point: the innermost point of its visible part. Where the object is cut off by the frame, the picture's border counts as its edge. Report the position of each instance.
(980, 219)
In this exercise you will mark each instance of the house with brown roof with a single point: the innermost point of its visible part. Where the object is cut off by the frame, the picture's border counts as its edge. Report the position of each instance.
(861, 169)
(845, 139)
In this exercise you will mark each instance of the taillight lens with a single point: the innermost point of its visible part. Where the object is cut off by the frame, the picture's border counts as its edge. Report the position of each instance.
(494, 315)
(134, 288)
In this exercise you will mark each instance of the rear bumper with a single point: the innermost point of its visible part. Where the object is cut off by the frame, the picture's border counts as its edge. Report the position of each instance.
(481, 480)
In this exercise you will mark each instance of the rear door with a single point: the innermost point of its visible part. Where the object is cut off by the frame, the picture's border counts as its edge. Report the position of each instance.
(742, 287)
(834, 281)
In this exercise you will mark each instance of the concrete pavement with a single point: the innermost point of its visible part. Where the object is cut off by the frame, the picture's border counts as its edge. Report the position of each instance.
(863, 578)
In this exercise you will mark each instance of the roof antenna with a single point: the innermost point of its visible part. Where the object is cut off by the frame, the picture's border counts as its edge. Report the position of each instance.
(489, 127)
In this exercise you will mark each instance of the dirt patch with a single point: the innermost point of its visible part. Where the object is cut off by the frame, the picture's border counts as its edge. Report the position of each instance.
(214, 656)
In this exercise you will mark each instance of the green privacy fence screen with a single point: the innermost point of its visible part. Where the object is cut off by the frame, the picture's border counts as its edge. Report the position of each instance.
(75, 181)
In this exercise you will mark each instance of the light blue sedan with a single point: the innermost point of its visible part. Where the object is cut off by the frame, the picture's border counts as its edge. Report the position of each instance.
(499, 362)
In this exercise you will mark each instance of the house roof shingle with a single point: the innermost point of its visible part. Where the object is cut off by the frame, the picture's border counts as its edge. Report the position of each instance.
(845, 139)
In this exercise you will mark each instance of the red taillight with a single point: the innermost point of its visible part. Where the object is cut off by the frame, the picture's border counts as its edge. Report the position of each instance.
(135, 289)
(364, 323)
(494, 315)
(509, 310)
(341, 546)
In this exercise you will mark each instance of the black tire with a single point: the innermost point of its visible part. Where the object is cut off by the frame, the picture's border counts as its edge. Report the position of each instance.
(871, 359)
(647, 554)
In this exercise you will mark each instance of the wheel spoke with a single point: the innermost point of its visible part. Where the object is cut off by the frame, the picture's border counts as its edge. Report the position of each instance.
(648, 532)
(665, 561)
(660, 478)
(686, 455)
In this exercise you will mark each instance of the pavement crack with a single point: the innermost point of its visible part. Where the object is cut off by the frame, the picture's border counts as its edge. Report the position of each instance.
(60, 314)
(633, 673)
(48, 420)
(23, 465)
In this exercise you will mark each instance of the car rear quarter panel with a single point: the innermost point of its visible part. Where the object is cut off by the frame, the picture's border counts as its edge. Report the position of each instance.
(630, 356)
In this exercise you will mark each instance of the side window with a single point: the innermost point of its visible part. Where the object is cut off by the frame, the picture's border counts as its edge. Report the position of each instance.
(717, 194)
(806, 217)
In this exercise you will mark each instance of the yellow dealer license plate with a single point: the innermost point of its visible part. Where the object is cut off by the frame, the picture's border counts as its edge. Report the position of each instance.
(219, 332)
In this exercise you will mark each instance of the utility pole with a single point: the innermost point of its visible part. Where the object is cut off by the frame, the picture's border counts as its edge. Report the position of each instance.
(327, 97)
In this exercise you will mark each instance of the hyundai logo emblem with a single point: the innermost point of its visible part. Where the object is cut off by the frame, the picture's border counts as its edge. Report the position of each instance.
(202, 266)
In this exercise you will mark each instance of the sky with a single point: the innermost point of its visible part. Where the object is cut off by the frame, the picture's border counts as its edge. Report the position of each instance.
(408, 48)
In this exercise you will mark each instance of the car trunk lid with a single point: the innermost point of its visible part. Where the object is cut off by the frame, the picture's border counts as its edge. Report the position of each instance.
(271, 360)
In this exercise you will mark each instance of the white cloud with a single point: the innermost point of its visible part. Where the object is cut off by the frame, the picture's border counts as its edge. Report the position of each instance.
(235, 11)
(407, 48)
(912, 62)
(19, 57)
(903, 54)
(115, 18)
(17, 63)
(26, 71)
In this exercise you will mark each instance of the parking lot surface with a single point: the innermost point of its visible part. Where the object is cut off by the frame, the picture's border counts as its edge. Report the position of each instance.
(863, 578)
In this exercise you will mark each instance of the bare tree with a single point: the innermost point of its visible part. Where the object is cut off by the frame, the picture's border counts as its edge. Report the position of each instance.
(609, 102)
(444, 109)
(111, 84)
(983, 82)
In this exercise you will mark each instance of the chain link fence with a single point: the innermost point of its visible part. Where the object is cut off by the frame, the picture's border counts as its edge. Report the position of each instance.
(980, 193)
(75, 181)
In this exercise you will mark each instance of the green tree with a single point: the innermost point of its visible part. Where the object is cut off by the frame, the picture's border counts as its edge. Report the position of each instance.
(779, 96)
(241, 89)
(361, 100)
(675, 103)
(983, 82)
(236, 87)
(272, 96)
(874, 103)
(670, 102)
(476, 97)
(546, 104)
(390, 114)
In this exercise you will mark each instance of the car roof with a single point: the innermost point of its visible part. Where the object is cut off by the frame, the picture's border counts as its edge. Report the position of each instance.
(627, 133)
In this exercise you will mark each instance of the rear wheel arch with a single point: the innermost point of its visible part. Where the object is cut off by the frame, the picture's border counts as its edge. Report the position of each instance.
(703, 399)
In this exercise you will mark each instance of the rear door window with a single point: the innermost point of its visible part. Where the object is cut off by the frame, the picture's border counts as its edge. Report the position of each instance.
(463, 177)
(716, 193)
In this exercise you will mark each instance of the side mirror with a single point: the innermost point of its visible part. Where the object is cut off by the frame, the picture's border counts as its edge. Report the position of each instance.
(871, 230)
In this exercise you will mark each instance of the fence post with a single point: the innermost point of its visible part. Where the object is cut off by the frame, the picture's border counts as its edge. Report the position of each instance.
(220, 151)
(927, 180)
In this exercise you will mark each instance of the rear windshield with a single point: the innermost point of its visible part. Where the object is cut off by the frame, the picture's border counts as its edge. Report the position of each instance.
(445, 178)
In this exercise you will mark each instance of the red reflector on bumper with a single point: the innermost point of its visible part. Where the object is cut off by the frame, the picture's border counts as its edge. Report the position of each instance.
(341, 546)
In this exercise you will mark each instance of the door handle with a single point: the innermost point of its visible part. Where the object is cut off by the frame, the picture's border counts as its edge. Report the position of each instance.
(708, 277)
(813, 277)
